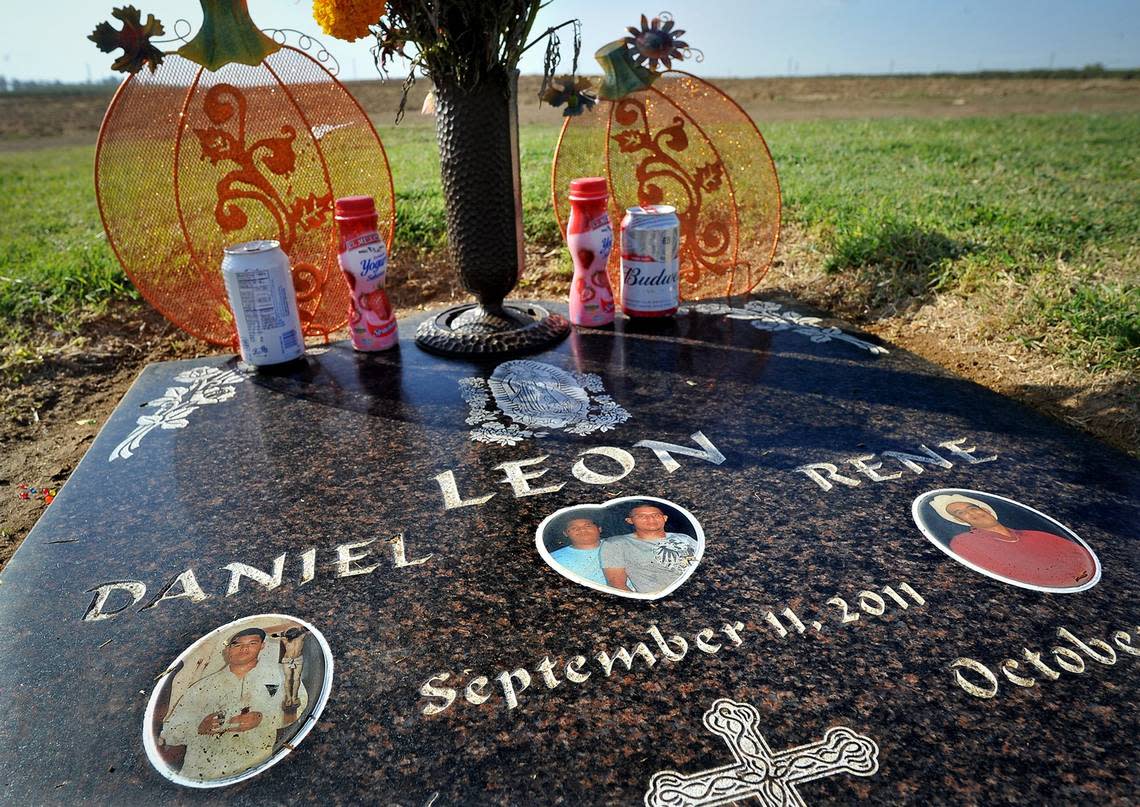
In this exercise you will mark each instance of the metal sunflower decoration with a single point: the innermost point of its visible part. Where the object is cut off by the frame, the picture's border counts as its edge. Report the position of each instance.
(656, 41)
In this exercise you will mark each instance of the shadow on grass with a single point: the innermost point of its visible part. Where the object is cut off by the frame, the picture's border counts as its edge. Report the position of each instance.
(898, 266)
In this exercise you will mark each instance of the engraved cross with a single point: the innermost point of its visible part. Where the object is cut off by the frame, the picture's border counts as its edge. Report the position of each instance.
(758, 773)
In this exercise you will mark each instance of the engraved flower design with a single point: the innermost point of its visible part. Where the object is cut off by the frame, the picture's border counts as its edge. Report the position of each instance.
(764, 315)
(209, 395)
(591, 382)
(206, 385)
(710, 308)
(195, 374)
(498, 434)
(602, 414)
(656, 41)
(477, 398)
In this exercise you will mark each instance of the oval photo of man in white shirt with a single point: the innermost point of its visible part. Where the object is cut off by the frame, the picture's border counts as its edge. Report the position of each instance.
(237, 700)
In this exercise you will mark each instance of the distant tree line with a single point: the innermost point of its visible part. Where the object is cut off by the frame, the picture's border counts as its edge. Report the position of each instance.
(106, 85)
(1088, 71)
(20, 87)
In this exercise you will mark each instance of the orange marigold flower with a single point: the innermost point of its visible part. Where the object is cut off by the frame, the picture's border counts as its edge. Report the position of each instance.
(347, 19)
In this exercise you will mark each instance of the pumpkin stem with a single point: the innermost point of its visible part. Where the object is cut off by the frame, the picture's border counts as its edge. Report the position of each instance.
(227, 35)
(622, 74)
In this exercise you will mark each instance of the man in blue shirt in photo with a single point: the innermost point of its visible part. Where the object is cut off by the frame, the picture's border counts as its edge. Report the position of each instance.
(583, 555)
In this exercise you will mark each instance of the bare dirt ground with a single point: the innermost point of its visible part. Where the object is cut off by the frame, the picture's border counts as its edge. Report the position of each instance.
(50, 414)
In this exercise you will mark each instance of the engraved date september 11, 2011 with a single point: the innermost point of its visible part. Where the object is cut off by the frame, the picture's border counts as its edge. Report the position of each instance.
(871, 603)
(508, 684)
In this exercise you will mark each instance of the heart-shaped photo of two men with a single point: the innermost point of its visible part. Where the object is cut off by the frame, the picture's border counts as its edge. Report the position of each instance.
(639, 547)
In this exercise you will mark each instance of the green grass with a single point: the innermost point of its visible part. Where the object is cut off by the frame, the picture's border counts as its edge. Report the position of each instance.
(414, 158)
(53, 253)
(909, 207)
(1101, 323)
(1015, 192)
(981, 206)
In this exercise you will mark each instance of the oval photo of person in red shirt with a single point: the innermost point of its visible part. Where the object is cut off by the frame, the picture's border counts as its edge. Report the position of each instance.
(1006, 540)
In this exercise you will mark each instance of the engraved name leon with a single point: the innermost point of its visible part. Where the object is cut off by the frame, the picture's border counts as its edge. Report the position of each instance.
(618, 463)
(758, 772)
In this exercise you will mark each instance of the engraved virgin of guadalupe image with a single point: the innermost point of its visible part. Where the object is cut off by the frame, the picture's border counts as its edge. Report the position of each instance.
(523, 398)
(1006, 540)
(636, 546)
(237, 700)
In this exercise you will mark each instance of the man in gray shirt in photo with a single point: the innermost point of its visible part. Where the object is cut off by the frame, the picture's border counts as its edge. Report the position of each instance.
(649, 559)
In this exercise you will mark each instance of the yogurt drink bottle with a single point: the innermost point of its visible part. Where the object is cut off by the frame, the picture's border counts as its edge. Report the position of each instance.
(590, 237)
(364, 260)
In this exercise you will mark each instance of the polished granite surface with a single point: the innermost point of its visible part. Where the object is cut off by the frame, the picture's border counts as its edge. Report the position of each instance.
(839, 653)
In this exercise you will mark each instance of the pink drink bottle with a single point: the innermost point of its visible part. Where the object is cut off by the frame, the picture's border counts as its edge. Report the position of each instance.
(590, 237)
(364, 260)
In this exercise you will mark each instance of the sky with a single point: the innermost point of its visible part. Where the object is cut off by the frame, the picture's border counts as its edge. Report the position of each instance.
(47, 40)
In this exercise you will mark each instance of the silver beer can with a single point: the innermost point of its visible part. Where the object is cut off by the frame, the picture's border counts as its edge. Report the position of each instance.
(259, 284)
(650, 244)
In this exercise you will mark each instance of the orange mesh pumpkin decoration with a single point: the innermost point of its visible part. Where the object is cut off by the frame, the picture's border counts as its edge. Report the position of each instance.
(671, 138)
(205, 151)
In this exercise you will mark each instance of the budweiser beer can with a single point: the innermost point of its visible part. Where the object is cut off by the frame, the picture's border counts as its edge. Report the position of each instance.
(650, 240)
(259, 284)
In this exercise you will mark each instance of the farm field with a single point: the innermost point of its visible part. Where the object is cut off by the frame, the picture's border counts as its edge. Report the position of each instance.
(987, 224)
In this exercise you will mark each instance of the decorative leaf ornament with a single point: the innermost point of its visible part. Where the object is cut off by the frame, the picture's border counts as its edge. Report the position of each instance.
(668, 137)
(134, 38)
(575, 92)
(195, 158)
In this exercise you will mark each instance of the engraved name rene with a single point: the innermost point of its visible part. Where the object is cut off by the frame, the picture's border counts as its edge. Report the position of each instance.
(868, 467)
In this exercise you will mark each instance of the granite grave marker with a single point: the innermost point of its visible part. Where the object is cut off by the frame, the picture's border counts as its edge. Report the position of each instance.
(832, 641)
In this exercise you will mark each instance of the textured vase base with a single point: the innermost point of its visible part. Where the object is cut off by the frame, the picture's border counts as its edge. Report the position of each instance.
(473, 330)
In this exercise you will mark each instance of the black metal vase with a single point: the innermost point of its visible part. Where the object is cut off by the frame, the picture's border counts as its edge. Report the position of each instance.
(478, 137)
